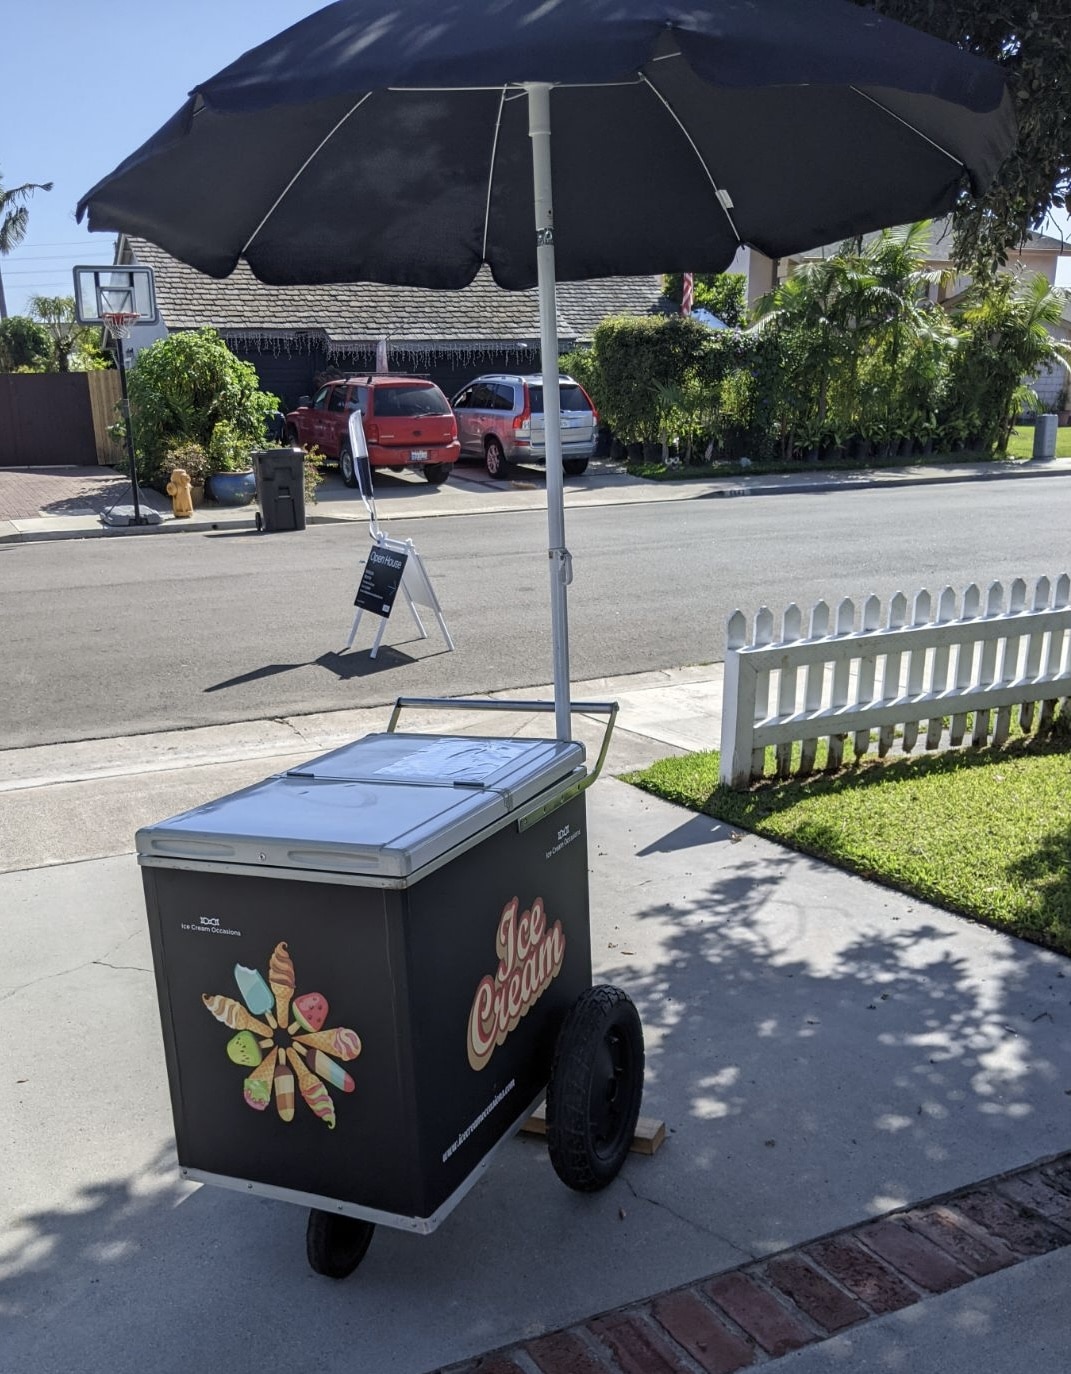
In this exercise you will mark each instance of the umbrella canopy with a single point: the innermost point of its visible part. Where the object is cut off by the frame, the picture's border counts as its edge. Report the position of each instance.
(408, 141)
(389, 141)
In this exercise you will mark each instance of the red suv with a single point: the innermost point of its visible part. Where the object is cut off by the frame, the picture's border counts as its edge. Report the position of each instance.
(407, 422)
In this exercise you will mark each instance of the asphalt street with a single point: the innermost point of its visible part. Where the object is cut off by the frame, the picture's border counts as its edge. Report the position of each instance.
(124, 636)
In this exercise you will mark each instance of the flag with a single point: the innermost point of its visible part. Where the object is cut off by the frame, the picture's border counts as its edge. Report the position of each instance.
(686, 294)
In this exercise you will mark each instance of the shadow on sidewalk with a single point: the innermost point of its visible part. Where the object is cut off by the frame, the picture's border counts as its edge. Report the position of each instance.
(815, 1064)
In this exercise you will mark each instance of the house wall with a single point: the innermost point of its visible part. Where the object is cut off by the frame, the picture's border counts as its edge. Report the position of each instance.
(291, 375)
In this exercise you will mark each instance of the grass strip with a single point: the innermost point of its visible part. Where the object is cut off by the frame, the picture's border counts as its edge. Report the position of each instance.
(1020, 446)
(986, 833)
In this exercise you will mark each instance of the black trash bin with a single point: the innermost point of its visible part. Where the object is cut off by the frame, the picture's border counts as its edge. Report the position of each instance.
(395, 939)
(280, 474)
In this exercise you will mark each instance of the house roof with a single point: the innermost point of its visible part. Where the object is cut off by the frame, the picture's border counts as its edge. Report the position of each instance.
(940, 249)
(360, 313)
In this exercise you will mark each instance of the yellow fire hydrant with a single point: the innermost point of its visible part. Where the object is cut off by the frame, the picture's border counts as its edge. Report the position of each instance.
(179, 491)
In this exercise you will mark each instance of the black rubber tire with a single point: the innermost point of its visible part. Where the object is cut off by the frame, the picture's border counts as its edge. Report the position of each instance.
(494, 458)
(573, 467)
(336, 1244)
(437, 473)
(595, 1089)
(346, 464)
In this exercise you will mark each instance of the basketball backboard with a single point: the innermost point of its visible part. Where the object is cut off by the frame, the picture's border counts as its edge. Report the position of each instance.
(100, 291)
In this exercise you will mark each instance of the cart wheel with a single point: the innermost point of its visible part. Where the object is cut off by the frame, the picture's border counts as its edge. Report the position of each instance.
(260, 523)
(336, 1244)
(596, 1083)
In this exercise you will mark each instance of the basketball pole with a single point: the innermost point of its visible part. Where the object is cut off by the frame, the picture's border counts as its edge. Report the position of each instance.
(124, 406)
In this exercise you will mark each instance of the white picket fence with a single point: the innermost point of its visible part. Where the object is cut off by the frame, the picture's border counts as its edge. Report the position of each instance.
(919, 666)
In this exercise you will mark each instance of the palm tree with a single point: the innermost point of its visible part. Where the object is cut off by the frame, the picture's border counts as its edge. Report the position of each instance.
(14, 217)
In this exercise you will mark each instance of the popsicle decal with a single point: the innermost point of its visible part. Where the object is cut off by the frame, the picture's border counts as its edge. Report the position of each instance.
(280, 1038)
(530, 958)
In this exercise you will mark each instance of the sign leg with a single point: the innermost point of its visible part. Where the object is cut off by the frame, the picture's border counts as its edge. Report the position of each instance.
(353, 631)
(379, 636)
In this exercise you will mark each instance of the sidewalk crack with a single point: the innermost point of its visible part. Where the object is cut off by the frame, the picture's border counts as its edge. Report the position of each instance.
(689, 1221)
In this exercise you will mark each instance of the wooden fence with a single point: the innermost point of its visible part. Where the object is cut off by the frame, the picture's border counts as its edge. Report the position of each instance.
(934, 660)
(52, 419)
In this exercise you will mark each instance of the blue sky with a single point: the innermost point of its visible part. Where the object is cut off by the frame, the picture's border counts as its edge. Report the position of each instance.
(85, 84)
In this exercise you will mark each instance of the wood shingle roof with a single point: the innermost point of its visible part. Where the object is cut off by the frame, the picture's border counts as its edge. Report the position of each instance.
(359, 313)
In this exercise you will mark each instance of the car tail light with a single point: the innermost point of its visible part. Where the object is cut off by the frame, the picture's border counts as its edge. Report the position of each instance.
(524, 419)
(371, 433)
(594, 412)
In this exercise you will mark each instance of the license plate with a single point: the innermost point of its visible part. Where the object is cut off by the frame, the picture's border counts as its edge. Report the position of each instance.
(418, 455)
(572, 424)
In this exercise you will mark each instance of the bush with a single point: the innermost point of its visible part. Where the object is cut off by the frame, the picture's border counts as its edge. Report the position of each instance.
(635, 357)
(190, 388)
(25, 345)
(193, 459)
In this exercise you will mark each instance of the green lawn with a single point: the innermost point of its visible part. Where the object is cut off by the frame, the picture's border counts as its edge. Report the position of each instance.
(986, 833)
(1022, 442)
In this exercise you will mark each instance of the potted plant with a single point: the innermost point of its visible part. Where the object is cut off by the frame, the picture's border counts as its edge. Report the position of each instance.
(197, 465)
(231, 480)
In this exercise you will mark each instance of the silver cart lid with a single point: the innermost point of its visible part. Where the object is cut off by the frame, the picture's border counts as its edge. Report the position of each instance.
(383, 806)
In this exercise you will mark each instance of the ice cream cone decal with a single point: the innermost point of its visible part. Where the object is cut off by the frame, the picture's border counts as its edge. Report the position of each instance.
(316, 1096)
(281, 979)
(233, 1014)
(292, 1062)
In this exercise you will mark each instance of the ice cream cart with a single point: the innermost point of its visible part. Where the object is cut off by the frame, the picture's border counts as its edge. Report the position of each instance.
(372, 967)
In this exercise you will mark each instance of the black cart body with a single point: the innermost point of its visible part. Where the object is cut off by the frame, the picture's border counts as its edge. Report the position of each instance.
(363, 965)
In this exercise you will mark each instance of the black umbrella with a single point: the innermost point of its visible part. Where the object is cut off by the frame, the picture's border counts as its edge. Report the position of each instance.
(405, 142)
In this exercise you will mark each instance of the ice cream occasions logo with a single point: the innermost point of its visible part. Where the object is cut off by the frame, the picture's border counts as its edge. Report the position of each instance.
(288, 1044)
(530, 958)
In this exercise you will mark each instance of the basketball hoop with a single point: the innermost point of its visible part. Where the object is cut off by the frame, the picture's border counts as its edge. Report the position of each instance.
(119, 323)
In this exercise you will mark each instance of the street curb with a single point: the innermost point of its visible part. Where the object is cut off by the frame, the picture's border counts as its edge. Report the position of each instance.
(804, 1295)
(89, 527)
(832, 484)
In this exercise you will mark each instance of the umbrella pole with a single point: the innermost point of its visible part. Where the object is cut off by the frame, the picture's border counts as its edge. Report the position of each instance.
(561, 564)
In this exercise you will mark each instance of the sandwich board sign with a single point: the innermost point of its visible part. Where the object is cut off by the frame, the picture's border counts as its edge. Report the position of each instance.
(393, 565)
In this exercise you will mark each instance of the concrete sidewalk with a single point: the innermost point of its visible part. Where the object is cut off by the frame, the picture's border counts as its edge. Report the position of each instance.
(823, 1051)
(59, 503)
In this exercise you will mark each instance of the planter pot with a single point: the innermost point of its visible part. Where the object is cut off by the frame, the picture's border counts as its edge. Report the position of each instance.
(231, 488)
(197, 495)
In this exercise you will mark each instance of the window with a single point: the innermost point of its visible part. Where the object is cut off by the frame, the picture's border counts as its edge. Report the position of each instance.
(572, 398)
(358, 399)
(319, 401)
(464, 399)
(503, 396)
(337, 399)
(409, 402)
(482, 397)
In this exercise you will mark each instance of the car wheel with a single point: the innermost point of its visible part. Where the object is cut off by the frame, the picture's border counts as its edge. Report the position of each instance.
(573, 467)
(494, 458)
(345, 465)
(437, 473)
(395, 467)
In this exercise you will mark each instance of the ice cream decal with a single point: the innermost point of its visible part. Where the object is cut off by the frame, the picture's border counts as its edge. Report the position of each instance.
(281, 1040)
(530, 958)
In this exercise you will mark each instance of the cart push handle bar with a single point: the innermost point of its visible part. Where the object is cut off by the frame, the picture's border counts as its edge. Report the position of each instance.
(588, 708)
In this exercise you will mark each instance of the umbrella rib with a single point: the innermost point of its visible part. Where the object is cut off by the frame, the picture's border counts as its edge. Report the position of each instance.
(719, 195)
(491, 172)
(900, 120)
(311, 157)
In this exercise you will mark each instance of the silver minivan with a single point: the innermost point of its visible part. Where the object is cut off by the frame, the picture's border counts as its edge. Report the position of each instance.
(500, 421)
